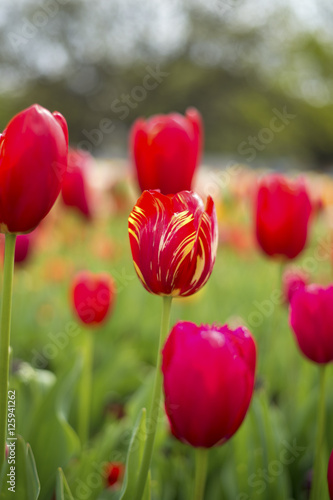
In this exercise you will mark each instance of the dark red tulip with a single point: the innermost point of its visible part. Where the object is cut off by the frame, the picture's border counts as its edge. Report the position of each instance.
(114, 473)
(208, 381)
(166, 150)
(311, 318)
(22, 246)
(283, 210)
(33, 160)
(93, 297)
(293, 280)
(330, 476)
(74, 187)
(173, 241)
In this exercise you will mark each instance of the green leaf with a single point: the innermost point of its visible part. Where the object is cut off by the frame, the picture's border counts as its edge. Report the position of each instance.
(62, 489)
(52, 438)
(134, 456)
(25, 478)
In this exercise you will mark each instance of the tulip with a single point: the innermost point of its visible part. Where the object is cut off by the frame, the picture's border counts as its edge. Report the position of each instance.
(209, 376)
(330, 476)
(74, 187)
(93, 297)
(173, 241)
(283, 210)
(22, 248)
(293, 280)
(311, 318)
(114, 473)
(33, 160)
(166, 151)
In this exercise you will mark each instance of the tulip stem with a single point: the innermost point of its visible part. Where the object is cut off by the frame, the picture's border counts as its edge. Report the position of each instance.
(85, 386)
(201, 463)
(152, 418)
(315, 488)
(6, 310)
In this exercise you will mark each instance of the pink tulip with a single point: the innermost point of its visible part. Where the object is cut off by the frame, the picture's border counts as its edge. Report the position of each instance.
(293, 280)
(208, 381)
(311, 318)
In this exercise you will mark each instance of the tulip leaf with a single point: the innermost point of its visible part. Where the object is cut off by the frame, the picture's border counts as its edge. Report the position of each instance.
(52, 438)
(134, 456)
(21, 470)
(62, 489)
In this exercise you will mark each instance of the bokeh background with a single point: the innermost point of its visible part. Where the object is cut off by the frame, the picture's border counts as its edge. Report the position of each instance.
(235, 60)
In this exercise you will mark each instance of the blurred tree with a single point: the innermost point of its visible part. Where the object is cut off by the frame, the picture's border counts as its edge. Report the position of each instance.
(239, 62)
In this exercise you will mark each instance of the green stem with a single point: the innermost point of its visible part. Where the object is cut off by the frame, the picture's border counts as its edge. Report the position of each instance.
(315, 489)
(155, 403)
(201, 463)
(6, 310)
(85, 386)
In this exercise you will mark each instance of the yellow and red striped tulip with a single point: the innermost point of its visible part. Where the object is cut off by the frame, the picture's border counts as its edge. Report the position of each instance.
(173, 241)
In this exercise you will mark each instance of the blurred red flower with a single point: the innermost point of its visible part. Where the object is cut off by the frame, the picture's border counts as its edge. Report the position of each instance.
(311, 318)
(209, 376)
(114, 473)
(93, 297)
(74, 187)
(293, 280)
(166, 150)
(33, 160)
(173, 241)
(282, 214)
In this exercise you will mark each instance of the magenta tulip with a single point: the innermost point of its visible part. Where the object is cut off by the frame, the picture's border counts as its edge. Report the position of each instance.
(311, 318)
(293, 280)
(33, 160)
(166, 150)
(209, 376)
(282, 215)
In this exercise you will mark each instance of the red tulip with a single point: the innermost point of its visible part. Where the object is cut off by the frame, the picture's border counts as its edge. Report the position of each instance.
(208, 381)
(311, 318)
(74, 187)
(330, 476)
(293, 280)
(93, 297)
(173, 241)
(166, 150)
(283, 211)
(22, 246)
(33, 160)
(114, 473)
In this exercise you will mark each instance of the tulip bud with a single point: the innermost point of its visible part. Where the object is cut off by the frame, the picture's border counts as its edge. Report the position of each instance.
(208, 381)
(33, 160)
(74, 187)
(93, 297)
(166, 150)
(311, 318)
(293, 280)
(330, 476)
(173, 241)
(283, 210)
